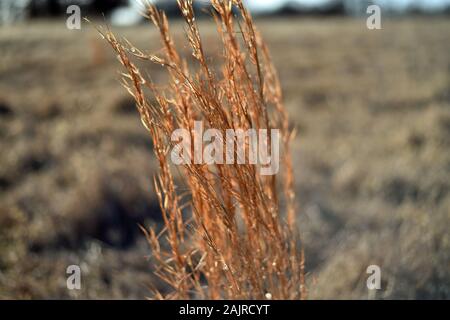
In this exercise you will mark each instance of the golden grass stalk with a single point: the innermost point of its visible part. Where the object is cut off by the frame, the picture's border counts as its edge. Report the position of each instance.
(241, 241)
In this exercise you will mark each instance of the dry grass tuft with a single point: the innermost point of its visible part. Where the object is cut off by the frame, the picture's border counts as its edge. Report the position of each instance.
(237, 244)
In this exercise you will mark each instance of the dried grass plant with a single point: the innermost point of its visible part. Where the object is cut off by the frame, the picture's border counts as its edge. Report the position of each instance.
(240, 240)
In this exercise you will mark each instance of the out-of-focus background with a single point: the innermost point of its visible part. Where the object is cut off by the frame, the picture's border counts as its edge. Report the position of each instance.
(372, 159)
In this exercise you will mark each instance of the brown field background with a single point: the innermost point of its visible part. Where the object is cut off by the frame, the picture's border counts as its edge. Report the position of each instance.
(371, 157)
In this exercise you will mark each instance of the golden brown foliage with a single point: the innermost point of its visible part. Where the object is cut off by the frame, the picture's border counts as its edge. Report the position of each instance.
(238, 244)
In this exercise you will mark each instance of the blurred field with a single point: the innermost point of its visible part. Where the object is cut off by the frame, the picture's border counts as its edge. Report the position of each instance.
(372, 159)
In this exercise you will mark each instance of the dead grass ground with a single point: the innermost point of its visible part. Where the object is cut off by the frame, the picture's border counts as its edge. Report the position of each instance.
(372, 110)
